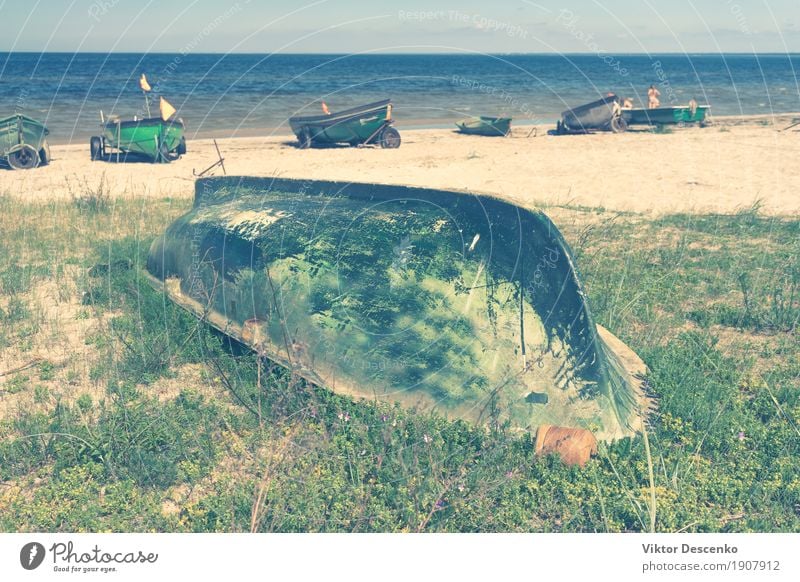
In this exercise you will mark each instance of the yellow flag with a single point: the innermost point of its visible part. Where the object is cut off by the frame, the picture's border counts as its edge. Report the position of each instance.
(167, 110)
(144, 84)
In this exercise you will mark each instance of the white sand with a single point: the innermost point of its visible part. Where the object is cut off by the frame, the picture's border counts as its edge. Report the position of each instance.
(722, 168)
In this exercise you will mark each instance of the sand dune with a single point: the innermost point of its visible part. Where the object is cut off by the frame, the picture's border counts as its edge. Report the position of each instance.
(716, 169)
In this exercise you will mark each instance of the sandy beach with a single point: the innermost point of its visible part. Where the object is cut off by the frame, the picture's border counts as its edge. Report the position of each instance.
(722, 168)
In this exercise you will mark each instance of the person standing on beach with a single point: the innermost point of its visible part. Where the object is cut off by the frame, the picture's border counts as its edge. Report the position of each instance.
(652, 97)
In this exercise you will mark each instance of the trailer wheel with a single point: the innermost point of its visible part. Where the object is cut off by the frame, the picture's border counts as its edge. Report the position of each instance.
(390, 138)
(24, 158)
(96, 148)
(182, 147)
(305, 140)
(618, 125)
(44, 154)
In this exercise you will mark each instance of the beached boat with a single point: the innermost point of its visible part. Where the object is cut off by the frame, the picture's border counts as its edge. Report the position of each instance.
(665, 115)
(464, 304)
(362, 125)
(23, 142)
(603, 114)
(489, 126)
(154, 139)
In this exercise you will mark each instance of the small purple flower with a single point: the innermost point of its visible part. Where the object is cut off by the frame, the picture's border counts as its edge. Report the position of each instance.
(440, 504)
(741, 435)
(384, 418)
(509, 474)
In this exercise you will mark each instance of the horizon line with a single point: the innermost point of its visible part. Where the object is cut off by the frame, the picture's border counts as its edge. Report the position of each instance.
(378, 54)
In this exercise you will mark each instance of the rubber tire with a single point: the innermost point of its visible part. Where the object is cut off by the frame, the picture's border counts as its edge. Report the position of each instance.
(390, 138)
(181, 147)
(96, 148)
(305, 140)
(44, 154)
(618, 125)
(25, 158)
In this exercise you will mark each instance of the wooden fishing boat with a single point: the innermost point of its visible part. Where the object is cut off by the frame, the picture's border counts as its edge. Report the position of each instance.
(362, 125)
(23, 142)
(488, 126)
(682, 114)
(154, 139)
(603, 114)
(460, 303)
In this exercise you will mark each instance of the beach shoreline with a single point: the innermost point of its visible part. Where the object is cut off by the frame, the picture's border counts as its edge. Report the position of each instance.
(738, 162)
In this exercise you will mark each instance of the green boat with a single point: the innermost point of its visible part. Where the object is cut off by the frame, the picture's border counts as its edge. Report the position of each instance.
(23, 142)
(665, 115)
(489, 126)
(458, 303)
(362, 125)
(153, 139)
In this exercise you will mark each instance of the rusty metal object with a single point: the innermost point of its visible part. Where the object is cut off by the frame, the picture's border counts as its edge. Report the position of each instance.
(575, 446)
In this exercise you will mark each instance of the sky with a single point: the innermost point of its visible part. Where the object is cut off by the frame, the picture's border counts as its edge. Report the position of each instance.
(346, 26)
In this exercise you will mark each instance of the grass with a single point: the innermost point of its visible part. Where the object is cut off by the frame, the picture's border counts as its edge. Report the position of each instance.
(131, 417)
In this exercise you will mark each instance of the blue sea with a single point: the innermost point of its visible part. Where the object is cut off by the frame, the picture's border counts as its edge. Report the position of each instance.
(248, 94)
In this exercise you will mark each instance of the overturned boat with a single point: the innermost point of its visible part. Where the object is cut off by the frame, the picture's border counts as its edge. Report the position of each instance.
(459, 303)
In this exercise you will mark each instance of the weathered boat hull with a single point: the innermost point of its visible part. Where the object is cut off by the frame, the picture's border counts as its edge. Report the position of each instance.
(23, 142)
(354, 126)
(603, 114)
(665, 115)
(154, 138)
(488, 126)
(463, 304)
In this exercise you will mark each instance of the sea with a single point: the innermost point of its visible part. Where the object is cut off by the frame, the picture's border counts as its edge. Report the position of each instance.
(255, 94)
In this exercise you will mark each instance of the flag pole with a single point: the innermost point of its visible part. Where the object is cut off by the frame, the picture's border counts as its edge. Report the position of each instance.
(146, 103)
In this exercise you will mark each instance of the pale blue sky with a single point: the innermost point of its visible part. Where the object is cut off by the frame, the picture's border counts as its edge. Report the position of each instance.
(612, 26)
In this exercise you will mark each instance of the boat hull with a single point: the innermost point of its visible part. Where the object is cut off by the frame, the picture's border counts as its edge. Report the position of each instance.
(154, 139)
(20, 130)
(665, 115)
(487, 126)
(602, 114)
(461, 304)
(353, 126)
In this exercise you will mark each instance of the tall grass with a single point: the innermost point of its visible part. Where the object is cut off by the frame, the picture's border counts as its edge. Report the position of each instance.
(182, 431)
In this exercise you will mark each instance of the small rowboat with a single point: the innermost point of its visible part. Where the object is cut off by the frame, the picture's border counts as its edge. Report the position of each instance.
(665, 115)
(23, 142)
(154, 139)
(362, 125)
(455, 302)
(603, 114)
(489, 126)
